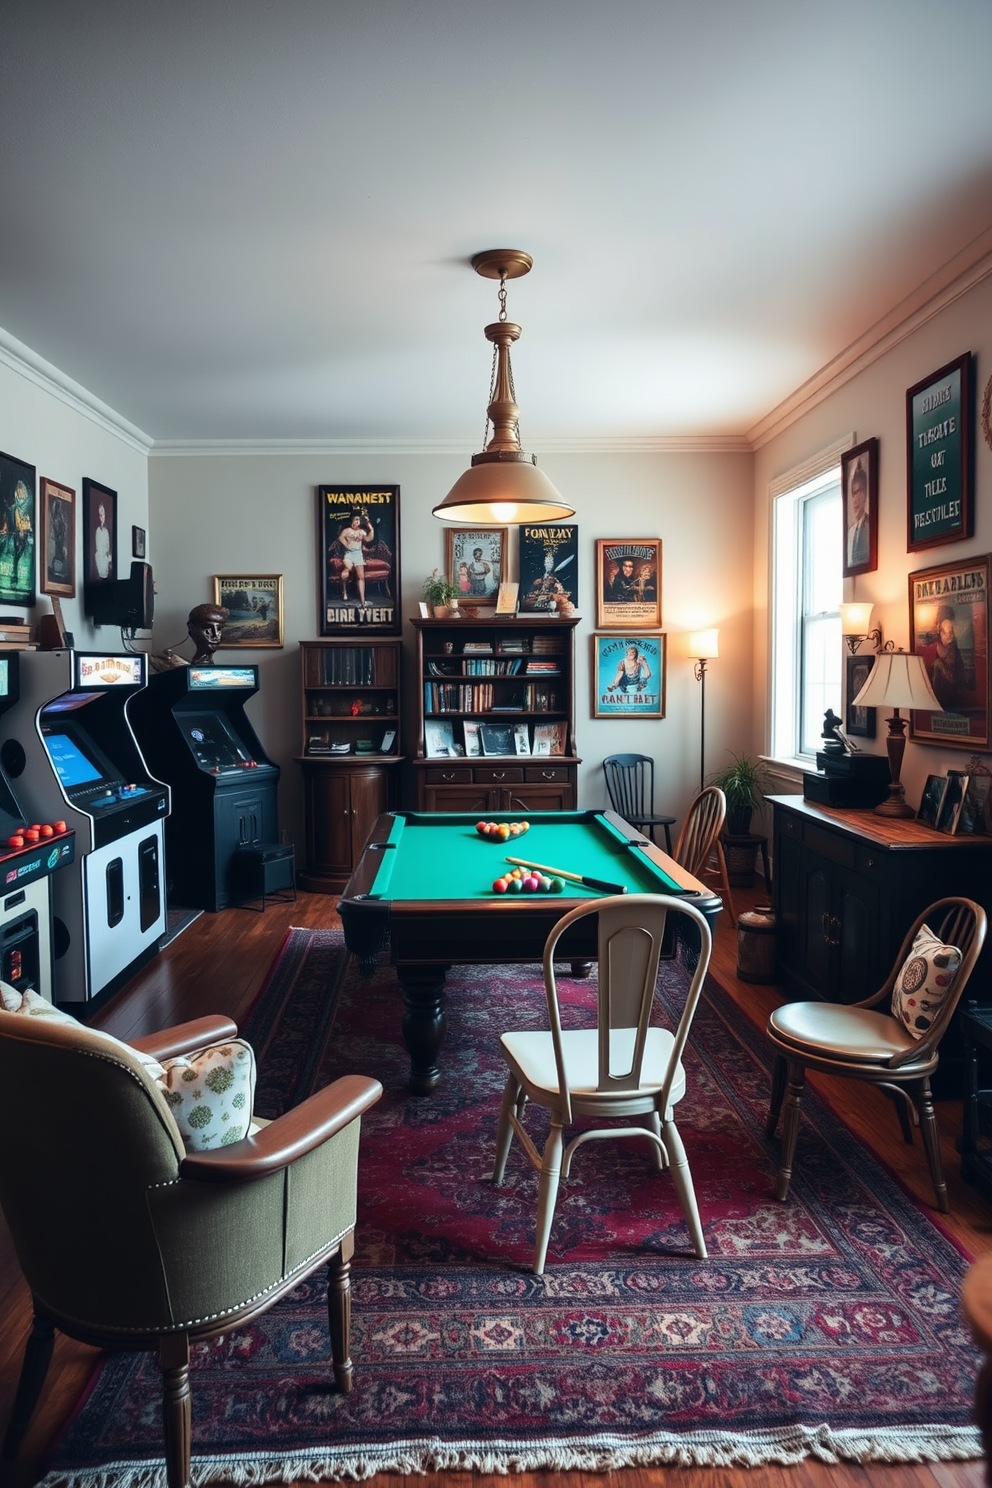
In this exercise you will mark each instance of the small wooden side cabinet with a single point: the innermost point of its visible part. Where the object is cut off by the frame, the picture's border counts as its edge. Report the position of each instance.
(351, 753)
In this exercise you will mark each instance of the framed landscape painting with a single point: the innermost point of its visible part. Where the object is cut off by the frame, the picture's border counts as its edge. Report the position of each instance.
(254, 609)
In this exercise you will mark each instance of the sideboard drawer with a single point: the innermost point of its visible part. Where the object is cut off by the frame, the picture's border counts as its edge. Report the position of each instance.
(497, 774)
(450, 775)
(547, 774)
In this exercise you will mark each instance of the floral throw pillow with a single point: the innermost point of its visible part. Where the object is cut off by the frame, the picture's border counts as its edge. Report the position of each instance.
(210, 1093)
(924, 981)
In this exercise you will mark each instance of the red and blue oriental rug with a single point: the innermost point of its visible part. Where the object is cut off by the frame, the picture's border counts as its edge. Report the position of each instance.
(826, 1326)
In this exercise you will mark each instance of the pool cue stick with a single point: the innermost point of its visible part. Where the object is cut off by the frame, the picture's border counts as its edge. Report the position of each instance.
(590, 883)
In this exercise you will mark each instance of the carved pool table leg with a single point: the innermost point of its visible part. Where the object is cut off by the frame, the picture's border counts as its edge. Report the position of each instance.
(423, 1023)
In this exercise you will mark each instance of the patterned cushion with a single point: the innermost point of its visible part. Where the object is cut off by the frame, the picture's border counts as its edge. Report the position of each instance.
(210, 1093)
(924, 980)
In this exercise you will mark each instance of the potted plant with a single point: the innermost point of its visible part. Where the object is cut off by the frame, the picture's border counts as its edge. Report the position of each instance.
(743, 783)
(441, 596)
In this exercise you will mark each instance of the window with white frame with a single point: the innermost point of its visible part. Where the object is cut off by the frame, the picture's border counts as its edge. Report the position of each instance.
(807, 589)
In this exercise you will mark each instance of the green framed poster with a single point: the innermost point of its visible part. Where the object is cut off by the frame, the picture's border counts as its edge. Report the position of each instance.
(938, 457)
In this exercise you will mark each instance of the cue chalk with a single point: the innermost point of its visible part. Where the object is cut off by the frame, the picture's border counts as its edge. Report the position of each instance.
(590, 883)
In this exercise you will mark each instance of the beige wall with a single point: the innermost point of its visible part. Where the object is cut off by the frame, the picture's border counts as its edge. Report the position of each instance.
(222, 513)
(65, 443)
(873, 403)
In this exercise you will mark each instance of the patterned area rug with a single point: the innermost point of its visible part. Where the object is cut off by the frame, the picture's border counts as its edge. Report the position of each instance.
(826, 1326)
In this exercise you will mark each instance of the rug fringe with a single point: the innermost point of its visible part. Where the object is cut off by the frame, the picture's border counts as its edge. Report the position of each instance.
(600, 1453)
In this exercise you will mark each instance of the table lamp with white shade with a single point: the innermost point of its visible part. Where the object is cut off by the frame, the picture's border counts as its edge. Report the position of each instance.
(897, 680)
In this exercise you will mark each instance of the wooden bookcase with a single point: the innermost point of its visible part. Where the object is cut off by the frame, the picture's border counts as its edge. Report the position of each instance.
(505, 674)
(351, 703)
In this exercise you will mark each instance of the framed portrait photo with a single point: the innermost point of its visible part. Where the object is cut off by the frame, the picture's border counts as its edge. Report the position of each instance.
(939, 457)
(57, 540)
(949, 628)
(930, 801)
(860, 722)
(475, 562)
(254, 609)
(17, 531)
(358, 543)
(628, 583)
(628, 676)
(99, 532)
(139, 545)
(859, 479)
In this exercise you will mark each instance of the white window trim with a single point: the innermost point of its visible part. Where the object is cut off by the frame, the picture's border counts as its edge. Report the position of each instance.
(807, 474)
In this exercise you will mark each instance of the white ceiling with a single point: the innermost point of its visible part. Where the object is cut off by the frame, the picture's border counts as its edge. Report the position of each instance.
(252, 219)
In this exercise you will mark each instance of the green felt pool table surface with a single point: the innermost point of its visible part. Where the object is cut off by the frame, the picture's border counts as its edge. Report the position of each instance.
(422, 892)
(435, 856)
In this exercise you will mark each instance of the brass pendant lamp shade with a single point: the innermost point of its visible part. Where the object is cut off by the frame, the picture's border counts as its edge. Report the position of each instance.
(503, 485)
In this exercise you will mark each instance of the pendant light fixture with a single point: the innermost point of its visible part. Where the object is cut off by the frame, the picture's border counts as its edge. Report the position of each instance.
(503, 486)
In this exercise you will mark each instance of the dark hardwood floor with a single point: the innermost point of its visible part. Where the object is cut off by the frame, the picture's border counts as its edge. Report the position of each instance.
(218, 964)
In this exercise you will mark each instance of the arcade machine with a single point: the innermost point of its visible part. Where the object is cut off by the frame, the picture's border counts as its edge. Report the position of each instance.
(193, 730)
(69, 747)
(30, 852)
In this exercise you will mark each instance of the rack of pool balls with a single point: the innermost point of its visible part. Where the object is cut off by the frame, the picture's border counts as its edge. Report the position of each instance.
(501, 831)
(527, 881)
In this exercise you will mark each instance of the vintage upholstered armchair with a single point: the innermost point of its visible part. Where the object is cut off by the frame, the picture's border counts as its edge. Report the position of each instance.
(129, 1241)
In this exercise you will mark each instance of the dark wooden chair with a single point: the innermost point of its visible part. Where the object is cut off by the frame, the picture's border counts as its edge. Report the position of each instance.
(630, 785)
(129, 1242)
(866, 1041)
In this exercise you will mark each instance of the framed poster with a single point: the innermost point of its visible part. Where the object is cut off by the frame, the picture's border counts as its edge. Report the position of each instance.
(138, 543)
(254, 609)
(17, 531)
(858, 721)
(99, 532)
(358, 540)
(628, 676)
(859, 478)
(949, 628)
(938, 457)
(628, 583)
(549, 562)
(475, 562)
(57, 540)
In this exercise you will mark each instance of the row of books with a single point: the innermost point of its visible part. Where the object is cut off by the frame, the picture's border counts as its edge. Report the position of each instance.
(480, 697)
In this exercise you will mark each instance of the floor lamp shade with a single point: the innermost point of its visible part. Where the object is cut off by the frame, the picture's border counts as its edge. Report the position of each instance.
(897, 680)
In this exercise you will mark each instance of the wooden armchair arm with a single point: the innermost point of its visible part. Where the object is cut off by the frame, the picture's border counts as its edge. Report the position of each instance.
(286, 1138)
(169, 1043)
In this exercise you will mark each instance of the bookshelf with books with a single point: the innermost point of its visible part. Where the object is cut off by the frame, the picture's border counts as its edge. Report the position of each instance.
(496, 710)
(350, 751)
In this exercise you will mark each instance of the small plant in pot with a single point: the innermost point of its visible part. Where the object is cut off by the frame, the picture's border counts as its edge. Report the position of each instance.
(441, 596)
(743, 783)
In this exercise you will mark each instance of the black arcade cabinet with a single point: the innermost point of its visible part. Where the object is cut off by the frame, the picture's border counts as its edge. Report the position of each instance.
(30, 852)
(194, 732)
(70, 754)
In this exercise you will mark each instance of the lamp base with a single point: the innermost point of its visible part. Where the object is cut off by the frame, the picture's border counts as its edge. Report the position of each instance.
(894, 803)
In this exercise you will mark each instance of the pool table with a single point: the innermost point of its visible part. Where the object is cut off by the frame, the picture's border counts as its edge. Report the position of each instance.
(423, 888)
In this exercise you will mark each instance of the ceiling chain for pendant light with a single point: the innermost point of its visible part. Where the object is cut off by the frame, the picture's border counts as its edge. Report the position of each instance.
(503, 484)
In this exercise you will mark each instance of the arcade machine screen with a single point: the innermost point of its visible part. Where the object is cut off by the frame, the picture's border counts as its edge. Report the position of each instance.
(213, 741)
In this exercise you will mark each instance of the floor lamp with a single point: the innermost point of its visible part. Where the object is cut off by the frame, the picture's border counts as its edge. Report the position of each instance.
(897, 680)
(704, 646)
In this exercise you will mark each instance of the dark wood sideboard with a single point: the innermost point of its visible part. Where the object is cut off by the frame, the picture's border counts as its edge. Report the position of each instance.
(847, 885)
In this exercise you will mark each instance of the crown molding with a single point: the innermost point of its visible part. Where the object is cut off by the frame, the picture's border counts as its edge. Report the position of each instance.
(33, 368)
(952, 280)
(634, 444)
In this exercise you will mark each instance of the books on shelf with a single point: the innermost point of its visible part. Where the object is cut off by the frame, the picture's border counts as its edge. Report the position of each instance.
(348, 666)
(477, 648)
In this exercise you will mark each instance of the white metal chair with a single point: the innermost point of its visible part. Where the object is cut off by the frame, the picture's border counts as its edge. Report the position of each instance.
(621, 1068)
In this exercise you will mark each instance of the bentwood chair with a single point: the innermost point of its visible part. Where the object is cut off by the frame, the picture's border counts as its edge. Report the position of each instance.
(699, 841)
(128, 1241)
(891, 1040)
(630, 786)
(621, 1068)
